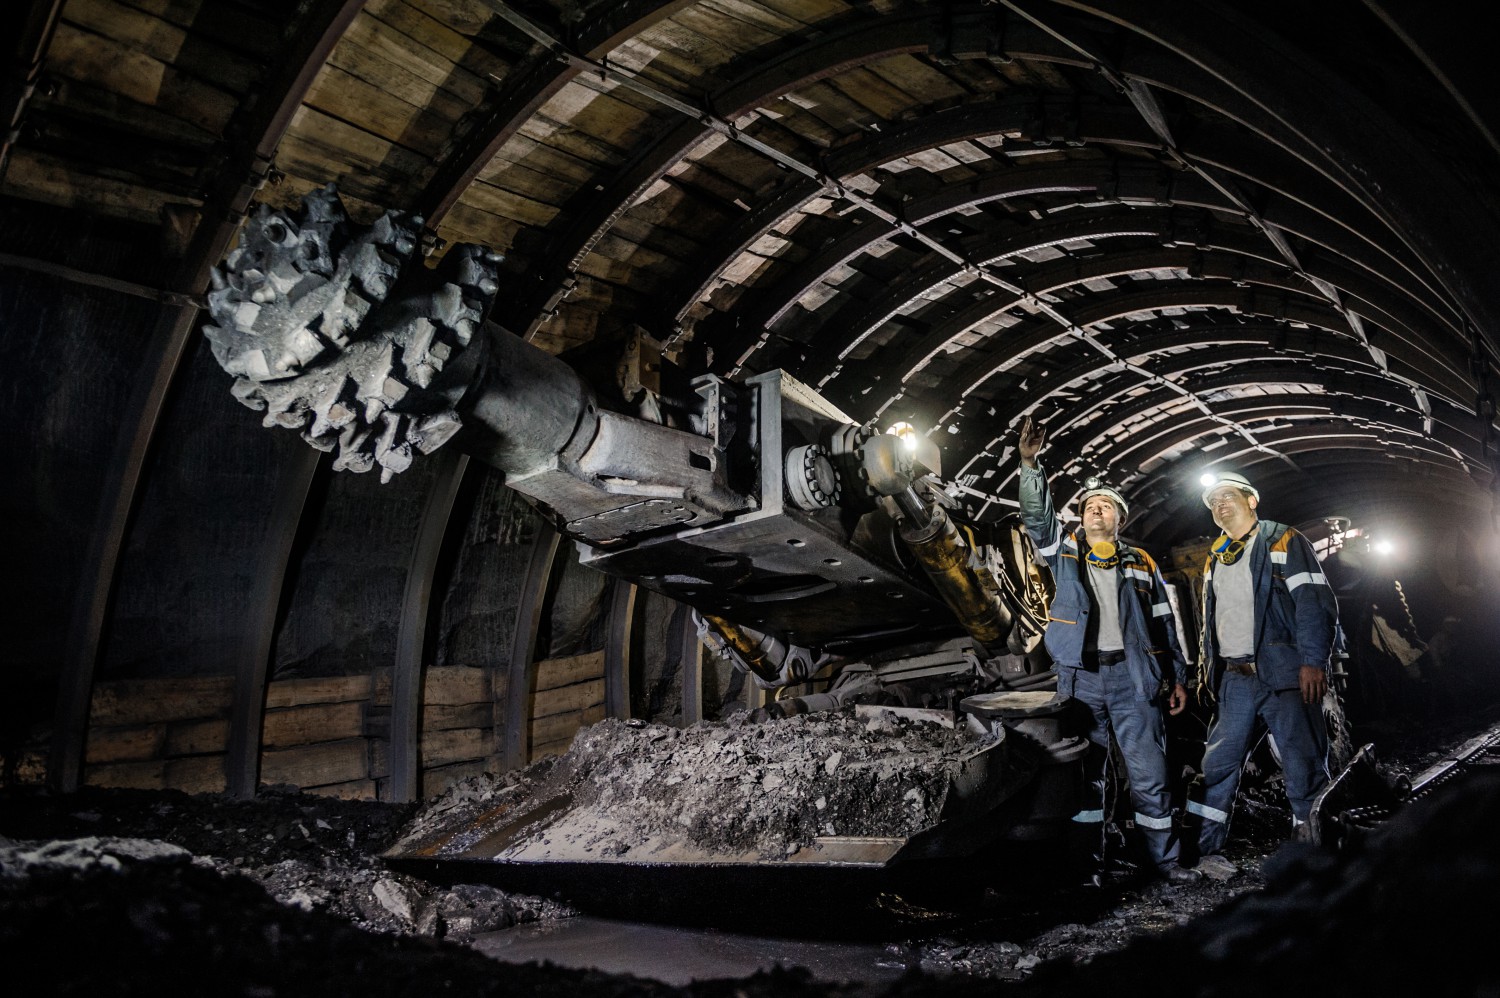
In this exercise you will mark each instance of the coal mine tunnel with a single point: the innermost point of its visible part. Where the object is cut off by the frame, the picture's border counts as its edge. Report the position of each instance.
(536, 496)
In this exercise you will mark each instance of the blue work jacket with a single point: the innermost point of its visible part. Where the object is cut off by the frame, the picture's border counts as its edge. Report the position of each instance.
(1152, 653)
(1296, 613)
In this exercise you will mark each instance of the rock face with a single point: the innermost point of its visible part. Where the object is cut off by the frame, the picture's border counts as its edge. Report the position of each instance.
(734, 791)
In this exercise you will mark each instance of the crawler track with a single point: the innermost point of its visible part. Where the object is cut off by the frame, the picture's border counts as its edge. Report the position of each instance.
(1359, 799)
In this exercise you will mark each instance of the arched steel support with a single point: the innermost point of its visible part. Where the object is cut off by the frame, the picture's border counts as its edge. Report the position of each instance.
(521, 685)
(253, 661)
(623, 648)
(411, 635)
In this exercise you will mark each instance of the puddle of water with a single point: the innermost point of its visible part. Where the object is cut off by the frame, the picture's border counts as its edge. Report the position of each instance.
(679, 956)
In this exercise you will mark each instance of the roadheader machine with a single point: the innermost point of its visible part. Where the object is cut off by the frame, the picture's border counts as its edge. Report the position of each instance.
(807, 543)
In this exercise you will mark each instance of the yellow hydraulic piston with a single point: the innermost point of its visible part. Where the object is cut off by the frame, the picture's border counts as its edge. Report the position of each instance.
(961, 579)
(752, 647)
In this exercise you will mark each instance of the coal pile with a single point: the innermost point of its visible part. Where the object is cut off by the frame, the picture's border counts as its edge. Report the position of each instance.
(735, 790)
(313, 854)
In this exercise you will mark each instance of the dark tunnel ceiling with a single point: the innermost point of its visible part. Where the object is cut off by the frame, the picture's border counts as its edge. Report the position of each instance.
(1258, 235)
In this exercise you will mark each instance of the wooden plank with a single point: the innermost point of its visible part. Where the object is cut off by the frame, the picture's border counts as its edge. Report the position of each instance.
(506, 204)
(466, 224)
(143, 701)
(552, 673)
(576, 697)
(724, 30)
(316, 765)
(666, 68)
(468, 17)
(438, 748)
(754, 13)
(313, 723)
(326, 141)
(360, 62)
(229, 24)
(832, 107)
(558, 726)
(125, 744)
(201, 774)
(92, 58)
(435, 781)
(434, 33)
(391, 118)
(196, 738)
(687, 49)
(807, 11)
(353, 790)
(537, 185)
(913, 76)
(390, 44)
(164, 41)
(550, 125)
(469, 715)
(37, 176)
(127, 775)
(872, 92)
(381, 681)
(455, 685)
(195, 775)
(316, 689)
(524, 151)
(87, 103)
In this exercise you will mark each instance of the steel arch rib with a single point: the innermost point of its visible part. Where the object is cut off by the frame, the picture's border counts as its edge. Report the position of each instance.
(1239, 372)
(1406, 192)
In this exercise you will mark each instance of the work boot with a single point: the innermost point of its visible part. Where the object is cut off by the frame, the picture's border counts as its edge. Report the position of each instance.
(1216, 867)
(1175, 874)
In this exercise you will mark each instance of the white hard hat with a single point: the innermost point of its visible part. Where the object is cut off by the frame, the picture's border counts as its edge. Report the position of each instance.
(1228, 478)
(1095, 487)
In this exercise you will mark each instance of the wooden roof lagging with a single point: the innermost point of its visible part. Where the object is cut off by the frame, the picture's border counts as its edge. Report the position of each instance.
(967, 211)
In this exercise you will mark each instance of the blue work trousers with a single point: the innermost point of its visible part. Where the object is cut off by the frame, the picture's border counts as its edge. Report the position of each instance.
(1113, 702)
(1301, 740)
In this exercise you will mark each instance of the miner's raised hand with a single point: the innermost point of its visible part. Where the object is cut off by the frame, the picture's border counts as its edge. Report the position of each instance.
(1033, 435)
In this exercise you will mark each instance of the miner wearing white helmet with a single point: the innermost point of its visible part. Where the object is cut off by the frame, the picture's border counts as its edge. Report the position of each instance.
(1270, 623)
(1113, 641)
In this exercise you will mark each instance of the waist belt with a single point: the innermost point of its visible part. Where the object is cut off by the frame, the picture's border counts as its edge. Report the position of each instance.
(1095, 659)
(1244, 665)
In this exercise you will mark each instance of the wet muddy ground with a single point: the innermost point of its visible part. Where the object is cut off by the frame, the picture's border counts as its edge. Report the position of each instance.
(125, 892)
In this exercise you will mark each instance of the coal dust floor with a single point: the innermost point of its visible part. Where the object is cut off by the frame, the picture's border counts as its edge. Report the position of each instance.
(135, 893)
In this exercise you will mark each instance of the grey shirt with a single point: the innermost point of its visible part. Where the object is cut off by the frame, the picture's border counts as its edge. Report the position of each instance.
(1234, 605)
(1105, 583)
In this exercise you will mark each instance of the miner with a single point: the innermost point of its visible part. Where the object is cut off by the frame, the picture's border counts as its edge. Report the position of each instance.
(1270, 625)
(1113, 640)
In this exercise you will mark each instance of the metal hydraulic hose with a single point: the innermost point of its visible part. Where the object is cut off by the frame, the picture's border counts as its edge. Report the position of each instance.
(948, 559)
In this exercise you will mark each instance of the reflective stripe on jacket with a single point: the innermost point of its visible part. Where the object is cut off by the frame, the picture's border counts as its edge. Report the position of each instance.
(1296, 613)
(1147, 625)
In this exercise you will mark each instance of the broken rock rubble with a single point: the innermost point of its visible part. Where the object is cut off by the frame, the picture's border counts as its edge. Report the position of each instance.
(735, 789)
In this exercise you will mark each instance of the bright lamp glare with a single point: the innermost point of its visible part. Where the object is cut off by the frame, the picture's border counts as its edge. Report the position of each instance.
(907, 434)
(1384, 547)
(1207, 479)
